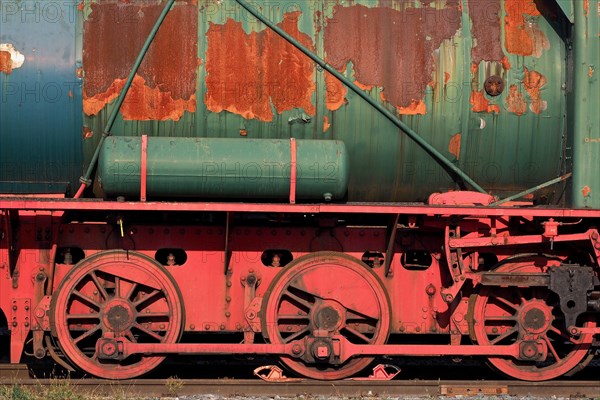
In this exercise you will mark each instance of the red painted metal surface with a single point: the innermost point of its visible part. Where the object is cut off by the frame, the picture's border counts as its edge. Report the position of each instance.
(349, 208)
(436, 283)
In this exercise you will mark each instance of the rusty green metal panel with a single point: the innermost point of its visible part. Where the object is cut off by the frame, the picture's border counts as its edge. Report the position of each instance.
(586, 106)
(426, 60)
(225, 168)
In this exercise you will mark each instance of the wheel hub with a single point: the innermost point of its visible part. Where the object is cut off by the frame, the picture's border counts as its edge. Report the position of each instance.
(328, 316)
(535, 317)
(118, 315)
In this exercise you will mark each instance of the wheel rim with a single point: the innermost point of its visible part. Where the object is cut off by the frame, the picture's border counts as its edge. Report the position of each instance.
(119, 294)
(503, 316)
(329, 292)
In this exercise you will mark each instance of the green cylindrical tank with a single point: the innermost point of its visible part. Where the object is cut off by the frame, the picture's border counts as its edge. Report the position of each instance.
(224, 168)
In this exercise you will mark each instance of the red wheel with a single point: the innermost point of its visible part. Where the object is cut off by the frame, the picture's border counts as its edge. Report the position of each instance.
(116, 294)
(504, 316)
(329, 292)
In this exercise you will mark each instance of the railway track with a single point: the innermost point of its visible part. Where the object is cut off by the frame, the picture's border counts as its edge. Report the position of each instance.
(347, 388)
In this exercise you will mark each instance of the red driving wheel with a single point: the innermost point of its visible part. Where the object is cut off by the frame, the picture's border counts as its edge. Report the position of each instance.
(116, 294)
(505, 315)
(326, 292)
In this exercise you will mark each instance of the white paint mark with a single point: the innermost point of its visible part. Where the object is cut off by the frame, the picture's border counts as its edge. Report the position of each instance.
(482, 123)
(17, 58)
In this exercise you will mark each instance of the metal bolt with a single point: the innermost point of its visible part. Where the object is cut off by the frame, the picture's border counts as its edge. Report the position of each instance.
(296, 349)
(192, 327)
(162, 326)
(595, 235)
(228, 283)
(14, 323)
(14, 308)
(207, 327)
(243, 278)
(228, 314)
(222, 327)
(238, 326)
(228, 299)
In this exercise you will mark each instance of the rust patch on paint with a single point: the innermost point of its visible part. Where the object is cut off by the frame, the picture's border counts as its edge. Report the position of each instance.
(482, 105)
(586, 7)
(534, 82)
(454, 145)
(515, 102)
(586, 191)
(446, 77)
(336, 92)
(5, 62)
(363, 87)
(246, 73)
(486, 30)
(165, 86)
(417, 107)
(522, 35)
(87, 133)
(326, 124)
(365, 36)
(142, 103)
(505, 63)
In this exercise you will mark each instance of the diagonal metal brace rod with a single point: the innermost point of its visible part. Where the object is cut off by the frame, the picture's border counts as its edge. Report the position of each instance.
(85, 180)
(395, 120)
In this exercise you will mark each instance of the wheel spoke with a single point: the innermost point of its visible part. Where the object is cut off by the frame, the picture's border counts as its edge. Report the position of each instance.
(552, 349)
(154, 315)
(131, 291)
(506, 302)
(504, 335)
(83, 316)
(358, 334)
(356, 316)
(148, 332)
(292, 317)
(500, 318)
(564, 335)
(100, 287)
(117, 286)
(87, 299)
(297, 299)
(129, 335)
(87, 334)
(150, 298)
(295, 335)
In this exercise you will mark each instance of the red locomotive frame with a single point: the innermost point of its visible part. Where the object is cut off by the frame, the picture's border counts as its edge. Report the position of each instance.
(520, 282)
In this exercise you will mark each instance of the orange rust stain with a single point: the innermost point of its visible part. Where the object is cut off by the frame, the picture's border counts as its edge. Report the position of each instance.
(416, 107)
(165, 86)
(87, 133)
(336, 92)
(481, 104)
(515, 102)
(446, 77)
(523, 37)
(454, 145)
(586, 191)
(505, 63)
(247, 74)
(591, 72)
(243, 132)
(364, 36)
(474, 68)
(142, 103)
(362, 86)
(326, 124)
(586, 7)
(5, 62)
(534, 82)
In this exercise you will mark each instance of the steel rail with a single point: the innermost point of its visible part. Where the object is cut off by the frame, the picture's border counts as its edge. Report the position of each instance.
(346, 388)
(395, 120)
